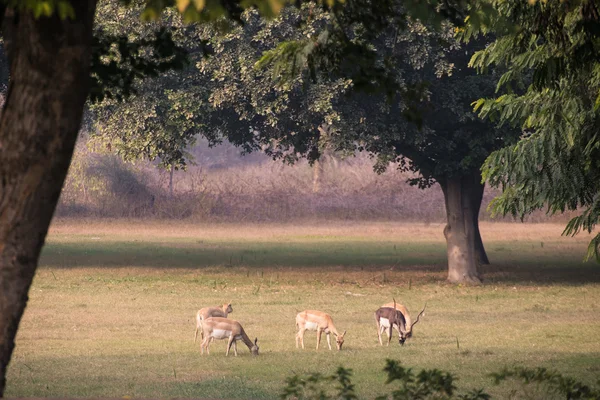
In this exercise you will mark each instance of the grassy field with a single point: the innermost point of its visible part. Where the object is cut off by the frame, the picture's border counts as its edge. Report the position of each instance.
(111, 310)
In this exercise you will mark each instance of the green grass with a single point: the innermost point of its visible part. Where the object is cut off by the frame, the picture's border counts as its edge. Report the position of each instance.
(111, 311)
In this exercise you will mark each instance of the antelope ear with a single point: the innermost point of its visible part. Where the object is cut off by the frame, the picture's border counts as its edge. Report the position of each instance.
(255, 340)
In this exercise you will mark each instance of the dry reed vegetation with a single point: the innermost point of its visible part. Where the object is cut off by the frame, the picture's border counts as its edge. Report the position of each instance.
(112, 307)
(99, 185)
(223, 186)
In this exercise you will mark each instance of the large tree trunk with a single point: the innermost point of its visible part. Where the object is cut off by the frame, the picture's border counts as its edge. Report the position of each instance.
(462, 230)
(50, 68)
(475, 194)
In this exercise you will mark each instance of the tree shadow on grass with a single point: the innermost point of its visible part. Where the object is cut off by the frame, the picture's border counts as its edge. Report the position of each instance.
(426, 261)
(575, 273)
(356, 254)
(150, 375)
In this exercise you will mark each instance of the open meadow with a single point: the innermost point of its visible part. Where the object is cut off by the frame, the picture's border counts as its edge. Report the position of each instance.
(112, 308)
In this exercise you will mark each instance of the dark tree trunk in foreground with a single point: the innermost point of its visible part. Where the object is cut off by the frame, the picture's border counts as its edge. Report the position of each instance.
(50, 68)
(463, 196)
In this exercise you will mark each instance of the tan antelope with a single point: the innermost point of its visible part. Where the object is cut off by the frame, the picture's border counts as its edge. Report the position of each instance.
(404, 329)
(223, 328)
(317, 321)
(208, 312)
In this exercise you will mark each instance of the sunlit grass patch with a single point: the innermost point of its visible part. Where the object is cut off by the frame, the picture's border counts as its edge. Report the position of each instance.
(114, 316)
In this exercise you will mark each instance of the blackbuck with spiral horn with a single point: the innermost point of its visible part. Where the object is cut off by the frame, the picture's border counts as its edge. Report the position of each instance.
(409, 323)
(223, 328)
(208, 312)
(404, 312)
(392, 316)
(317, 321)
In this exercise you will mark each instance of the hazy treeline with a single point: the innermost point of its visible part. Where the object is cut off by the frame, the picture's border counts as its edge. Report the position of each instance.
(221, 185)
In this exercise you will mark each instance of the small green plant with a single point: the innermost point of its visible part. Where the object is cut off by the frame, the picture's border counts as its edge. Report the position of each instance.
(256, 288)
(427, 384)
(430, 384)
(319, 386)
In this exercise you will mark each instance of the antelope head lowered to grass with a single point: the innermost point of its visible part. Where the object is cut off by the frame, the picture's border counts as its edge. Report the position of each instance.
(208, 312)
(223, 328)
(409, 323)
(317, 321)
(396, 316)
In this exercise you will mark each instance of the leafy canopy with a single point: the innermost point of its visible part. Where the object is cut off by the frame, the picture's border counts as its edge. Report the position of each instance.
(355, 77)
(549, 51)
(386, 84)
(156, 120)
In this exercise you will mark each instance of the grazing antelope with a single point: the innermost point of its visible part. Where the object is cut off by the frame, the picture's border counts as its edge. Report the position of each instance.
(404, 329)
(320, 322)
(208, 312)
(386, 318)
(404, 312)
(223, 328)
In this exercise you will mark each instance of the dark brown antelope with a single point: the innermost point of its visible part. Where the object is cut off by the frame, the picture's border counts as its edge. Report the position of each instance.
(409, 323)
(404, 330)
(317, 321)
(223, 328)
(386, 318)
(404, 312)
(208, 312)
(393, 315)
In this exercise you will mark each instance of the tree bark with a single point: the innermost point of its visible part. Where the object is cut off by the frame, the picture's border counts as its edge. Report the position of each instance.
(50, 68)
(462, 230)
(475, 195)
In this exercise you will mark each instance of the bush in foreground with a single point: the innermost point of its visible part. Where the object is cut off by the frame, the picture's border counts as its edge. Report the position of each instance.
(436, 384)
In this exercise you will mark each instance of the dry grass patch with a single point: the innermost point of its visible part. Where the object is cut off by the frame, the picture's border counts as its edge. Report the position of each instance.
(307, 230)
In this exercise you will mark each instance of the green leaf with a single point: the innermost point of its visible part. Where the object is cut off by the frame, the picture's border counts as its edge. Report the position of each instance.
(65, 10)
(43, 8)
